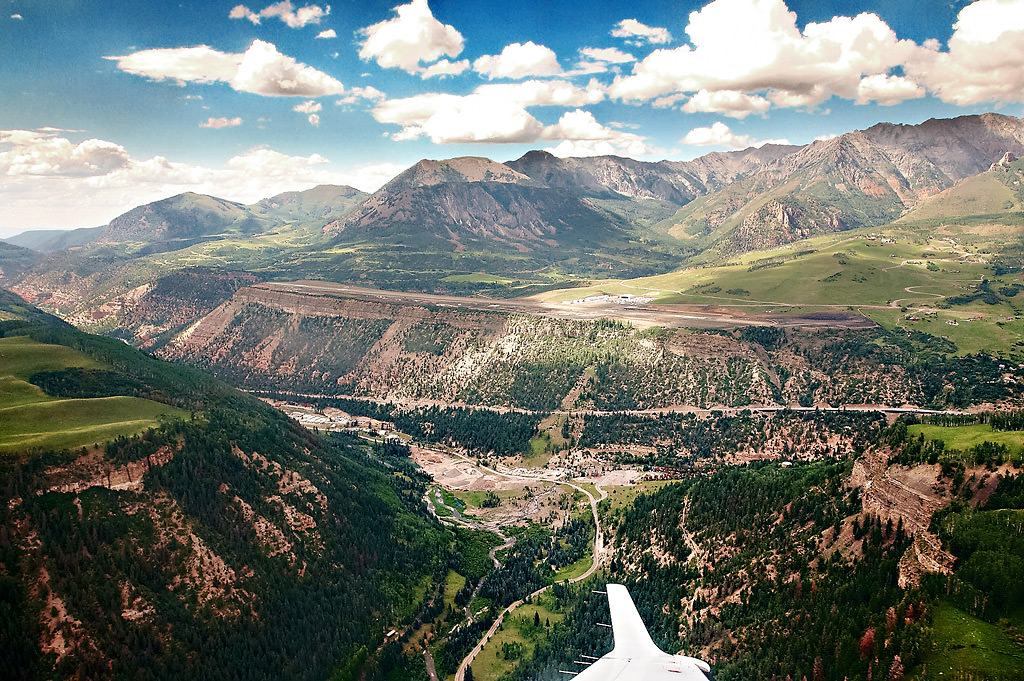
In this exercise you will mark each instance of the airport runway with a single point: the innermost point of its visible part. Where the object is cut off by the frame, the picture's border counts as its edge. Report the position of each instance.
(639, 314)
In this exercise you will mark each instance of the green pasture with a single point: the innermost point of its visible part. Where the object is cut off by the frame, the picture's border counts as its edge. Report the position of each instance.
(965, 647)
(21, 357)
(66, 424)
(897, 276)
(29, 418)
(517, 638)
(965, 437)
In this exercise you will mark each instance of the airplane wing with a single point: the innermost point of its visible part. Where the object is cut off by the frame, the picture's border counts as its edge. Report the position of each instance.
(631, 637)
(635, 657)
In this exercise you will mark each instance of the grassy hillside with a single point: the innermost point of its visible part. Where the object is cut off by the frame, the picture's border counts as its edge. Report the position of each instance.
(967, 647)
(948, 281)
(984, 194)
(30, 418)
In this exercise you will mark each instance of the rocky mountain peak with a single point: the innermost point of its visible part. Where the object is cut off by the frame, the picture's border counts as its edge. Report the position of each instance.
(428, 172)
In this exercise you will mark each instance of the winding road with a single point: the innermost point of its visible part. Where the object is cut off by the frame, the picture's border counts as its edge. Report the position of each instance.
(598, 552)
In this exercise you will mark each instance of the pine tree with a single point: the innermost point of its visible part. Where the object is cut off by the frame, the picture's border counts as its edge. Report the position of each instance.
(896, 670)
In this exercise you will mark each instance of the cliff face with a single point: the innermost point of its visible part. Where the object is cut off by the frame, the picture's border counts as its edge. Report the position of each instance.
(333, 345)
(784, 221)
(268, 339)
(146, 315)
(678, 182)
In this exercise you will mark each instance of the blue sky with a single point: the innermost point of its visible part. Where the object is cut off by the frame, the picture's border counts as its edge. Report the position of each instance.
(108, 105)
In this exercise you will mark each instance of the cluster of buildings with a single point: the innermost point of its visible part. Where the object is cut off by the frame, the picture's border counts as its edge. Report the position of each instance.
(618, 299)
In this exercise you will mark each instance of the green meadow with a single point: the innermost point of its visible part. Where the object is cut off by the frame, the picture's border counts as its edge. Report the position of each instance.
(29, 418)
(965, 437)
(516, 639)
(917, 277)
(965, 647)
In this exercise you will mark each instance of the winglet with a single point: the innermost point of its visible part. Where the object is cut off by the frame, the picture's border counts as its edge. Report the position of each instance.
(631, 638)
(698, 663)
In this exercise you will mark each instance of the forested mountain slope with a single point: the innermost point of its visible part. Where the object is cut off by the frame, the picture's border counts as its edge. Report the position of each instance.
(225, 543)
(903, 563)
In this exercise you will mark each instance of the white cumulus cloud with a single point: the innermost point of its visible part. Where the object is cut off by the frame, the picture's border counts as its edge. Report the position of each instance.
(445, 68)
(582, 135)
(638, 33)
(778, 61)
(329, 33)
(310, 108)
(223, 122)
(601, 60)
(411, 38)
(984, 58)
(719, 134)
(729, 102)
(544, 93)
(200, 64)
(44, 153)
(452, 119)
(611, 55)
(856, 58)
(260, 70)
(519, 60)
(887, 90)
(285, 11)
(265, 71)
(100, 180)
(494, 112)
(497, 113)
(358, 94)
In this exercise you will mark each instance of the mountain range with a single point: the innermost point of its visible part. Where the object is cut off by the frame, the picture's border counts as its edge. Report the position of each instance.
(533, 223)
(726, 201)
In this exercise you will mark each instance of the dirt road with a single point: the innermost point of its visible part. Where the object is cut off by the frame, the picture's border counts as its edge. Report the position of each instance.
(598, 551)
